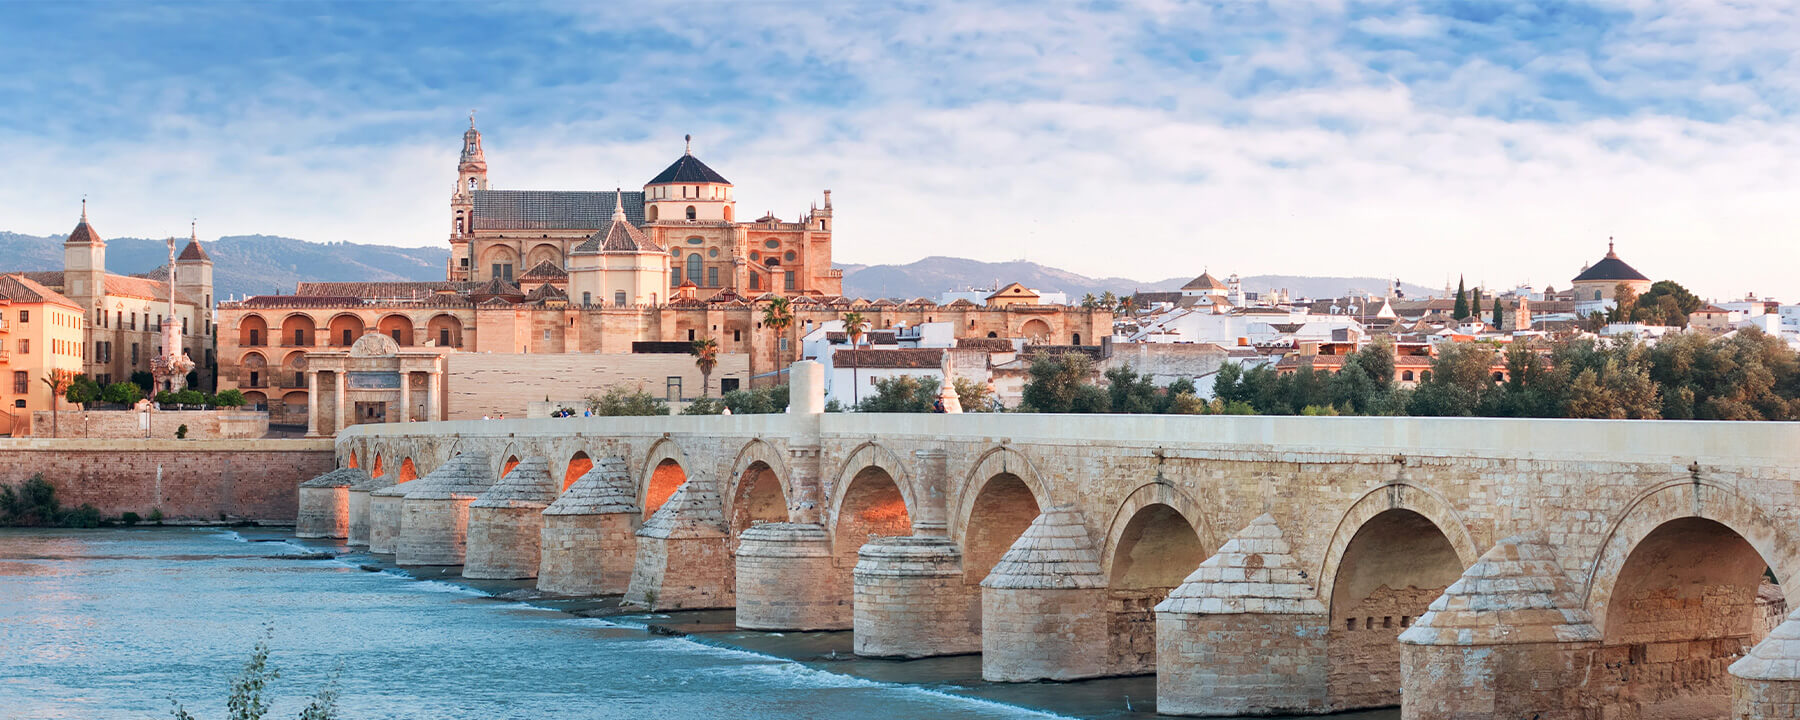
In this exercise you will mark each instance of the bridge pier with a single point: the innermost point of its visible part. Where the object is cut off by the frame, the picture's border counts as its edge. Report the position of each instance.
(1509, 639)
(910, 600)
(506, 524)
(589, 543)
(1765, 684)
(324, 506)
(360, 487)
(434, 514)
(684, 554)
(1250, 594)
(787, 579)
(1043, 608)
(384, 517)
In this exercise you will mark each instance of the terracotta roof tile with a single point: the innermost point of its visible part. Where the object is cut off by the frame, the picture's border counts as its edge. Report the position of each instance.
(905, 358)
(21, 289)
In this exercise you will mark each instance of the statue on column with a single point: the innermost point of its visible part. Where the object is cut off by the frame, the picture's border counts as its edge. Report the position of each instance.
(170, 369)
(948, 402)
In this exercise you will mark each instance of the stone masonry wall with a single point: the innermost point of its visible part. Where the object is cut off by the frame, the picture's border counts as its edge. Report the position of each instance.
(201, 424)
(185, 479)
(1364, 646)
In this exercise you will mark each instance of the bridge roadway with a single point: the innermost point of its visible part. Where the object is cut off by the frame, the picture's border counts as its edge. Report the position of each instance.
(1456, 567)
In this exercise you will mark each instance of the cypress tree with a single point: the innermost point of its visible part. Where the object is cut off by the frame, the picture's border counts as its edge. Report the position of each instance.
(1462, 302)
(1475, 303)
(1496, 313)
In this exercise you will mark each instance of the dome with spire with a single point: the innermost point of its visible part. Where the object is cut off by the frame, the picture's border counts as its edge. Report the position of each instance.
(619, 236)
(193, 252)
(689, 170)
(1610, 268)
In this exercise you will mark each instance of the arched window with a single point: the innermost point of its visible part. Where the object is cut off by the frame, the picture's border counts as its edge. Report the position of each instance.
(690, 212)
(650, 214)
(693, 268)
(1075, 339)
(1596, 294)
(587, 298)
(619, 298)
(1406, 375)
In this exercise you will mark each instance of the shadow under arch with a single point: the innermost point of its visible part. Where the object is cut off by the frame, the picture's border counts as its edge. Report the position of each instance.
(1679, 499)
(1395, 496)
(994, 462)
(1147, 495)
(664, 450)
(867, 455)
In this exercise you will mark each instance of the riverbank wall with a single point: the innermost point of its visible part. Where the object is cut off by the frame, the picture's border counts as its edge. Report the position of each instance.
(256, 480)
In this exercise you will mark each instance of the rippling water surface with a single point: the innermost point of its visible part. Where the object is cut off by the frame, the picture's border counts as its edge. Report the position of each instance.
(111, 624)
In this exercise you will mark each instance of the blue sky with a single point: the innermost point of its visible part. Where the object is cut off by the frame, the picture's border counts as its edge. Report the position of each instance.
(1498, 140)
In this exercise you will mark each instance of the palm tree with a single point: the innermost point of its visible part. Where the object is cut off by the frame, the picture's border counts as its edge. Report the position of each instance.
(853, 329)
(778, 315)
(1108, 301)
(1089, 302)
(1128, 304)
(706, 357)
(58, 381)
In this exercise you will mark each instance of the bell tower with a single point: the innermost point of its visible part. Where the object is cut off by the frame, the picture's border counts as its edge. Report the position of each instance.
(471, 175)
(84, 263)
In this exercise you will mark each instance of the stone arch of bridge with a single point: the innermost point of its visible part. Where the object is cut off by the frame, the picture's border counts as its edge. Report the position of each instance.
(408, 471)
(578, 464)
(995, 462)
(1143, 497)
(508, 458)
(759, 488)
(665, 469)
(1679, 499)
(863, 500)
(1395, 496)
(867, 455)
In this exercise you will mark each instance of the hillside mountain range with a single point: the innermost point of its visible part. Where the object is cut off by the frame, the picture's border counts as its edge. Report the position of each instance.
(245, 265)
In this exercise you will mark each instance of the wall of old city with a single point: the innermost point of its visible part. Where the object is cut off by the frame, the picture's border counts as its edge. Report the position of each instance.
(496, 385)
(206, 480)
(201, 424)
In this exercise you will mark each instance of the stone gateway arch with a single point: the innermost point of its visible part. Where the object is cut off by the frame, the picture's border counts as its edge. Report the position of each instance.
(1456, 567)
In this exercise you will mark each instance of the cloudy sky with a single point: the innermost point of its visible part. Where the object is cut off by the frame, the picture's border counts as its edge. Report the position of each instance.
(1501, 141)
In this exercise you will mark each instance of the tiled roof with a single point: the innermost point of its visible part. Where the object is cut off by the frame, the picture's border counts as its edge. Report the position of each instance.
(1013, 290)
(870, 337)
(21, 289)
(382, 290)
(688, 169)
(545, 270)
(906, 358)
(299, 301)
(551, 209)
(193, 251)
(547, 291)
(498, 287)
(1205, 282)
(84, 233)
(988, 344)
(618, 237)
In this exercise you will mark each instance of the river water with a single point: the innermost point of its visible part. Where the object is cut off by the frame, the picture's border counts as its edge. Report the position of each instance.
(101, 624)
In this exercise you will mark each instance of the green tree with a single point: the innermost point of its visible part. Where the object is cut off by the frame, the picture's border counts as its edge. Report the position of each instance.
(1089, 302)
(778, 316)
(59, 382)
(1109, 301)
(705, 406)
(1497, 314)
(230, 398)
(1129, 392)
(617, 401)
(855, 327)
(1474, 304)
(1666, 303)
(122, 393)
(973, 396)
(1058, 383)
(1460, 379)
(901, 394)
(706, 357)
(82, 390)
(1461, 309)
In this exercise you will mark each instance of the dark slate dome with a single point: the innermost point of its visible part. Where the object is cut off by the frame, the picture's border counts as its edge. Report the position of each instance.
(688, 169)
(1610, 268)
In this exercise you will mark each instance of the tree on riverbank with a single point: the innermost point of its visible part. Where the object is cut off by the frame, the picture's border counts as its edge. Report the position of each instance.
(33, 504)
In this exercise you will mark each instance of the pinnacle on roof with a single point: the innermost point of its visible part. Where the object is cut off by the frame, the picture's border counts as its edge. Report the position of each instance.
(688, 169)
(1610, 268)
(471, 152)
(193, 252)
(619, 236)
(83, 232)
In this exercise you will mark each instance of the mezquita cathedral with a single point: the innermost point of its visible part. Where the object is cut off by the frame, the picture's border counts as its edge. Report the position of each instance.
(555, 295)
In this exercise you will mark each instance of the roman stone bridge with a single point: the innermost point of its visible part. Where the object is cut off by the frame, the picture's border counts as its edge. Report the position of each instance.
(1457, 567)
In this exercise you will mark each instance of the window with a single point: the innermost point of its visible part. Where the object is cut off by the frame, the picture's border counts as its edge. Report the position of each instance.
(1596, 294)
(1075, 339)
(587, 298)
(347, 337)
(789, 256)
(134, 354)
(788, 278)
(396, 333)
(772, 243)
(712, 252)
(255, 379)
(21, 382)
(695, 240)
(255, 337)
(24, 316)
(737, 336)
(728, 385)
(443, 337)
(619, 298)
(690, 334)
(782, 344)
(24, 346)
(756, 255)
(299, 336)
(673, 391)
(184, 329)
(546, 334)
(690, 212)
(693, 268)
(755, 281)
(118, 318)
(1406, 375)
(712, 277)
